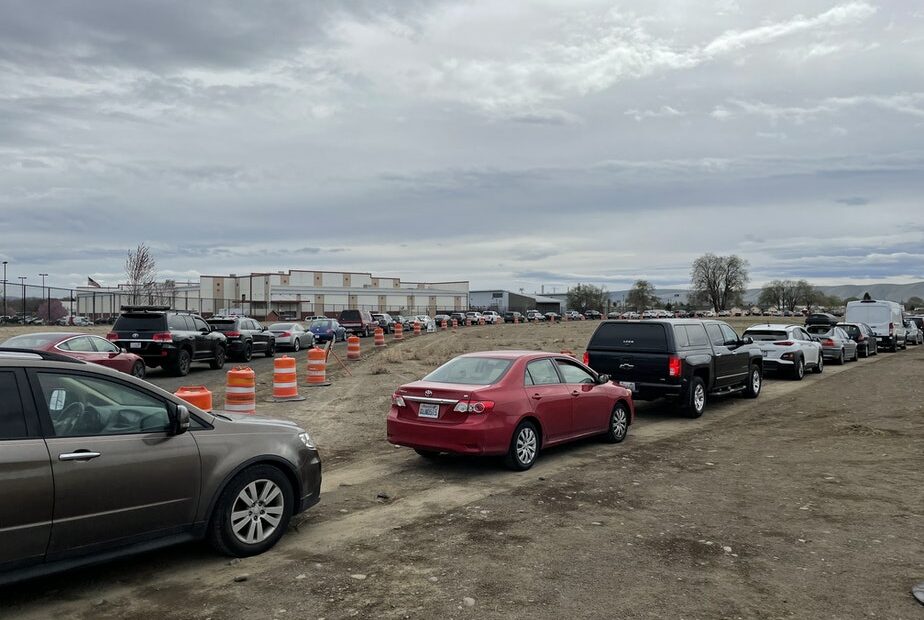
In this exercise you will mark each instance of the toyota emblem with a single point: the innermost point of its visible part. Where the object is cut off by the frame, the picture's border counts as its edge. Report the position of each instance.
(428, 393)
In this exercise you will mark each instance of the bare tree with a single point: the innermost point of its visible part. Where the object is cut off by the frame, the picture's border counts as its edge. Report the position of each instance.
(720, 280)
(140, 272)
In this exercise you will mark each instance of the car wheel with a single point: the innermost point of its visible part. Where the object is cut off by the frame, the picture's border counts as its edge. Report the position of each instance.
(247, 355)
(840, 359)
(271, 349)
(524, 447)
(218, 361)
(427, 454)
(820, 366)
(798, 369)
(865, 350)
(297, 345)
(252, 512)
(619, 424)
(138, 369)
(696, 403)
(856, 354)
(755, 381)
(182, 363)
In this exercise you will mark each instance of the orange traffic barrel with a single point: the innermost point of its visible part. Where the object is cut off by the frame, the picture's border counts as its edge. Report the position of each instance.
(317, 367)
(241, 392)
(551, 319)
(379, 337)
(416, 328)
(468, 322)
(443, 325)
(399, 331)
(353, 349)
(455, 324)
(285, 379)
(196, 395)
(481, 320)
(516, 320)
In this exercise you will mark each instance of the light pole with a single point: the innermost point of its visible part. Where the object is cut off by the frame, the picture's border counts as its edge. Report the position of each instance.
(47, 303)
(23, 280)
(4, 287)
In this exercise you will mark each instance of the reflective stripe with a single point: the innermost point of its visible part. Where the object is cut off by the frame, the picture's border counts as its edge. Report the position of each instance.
(288, 384)
(240, 390)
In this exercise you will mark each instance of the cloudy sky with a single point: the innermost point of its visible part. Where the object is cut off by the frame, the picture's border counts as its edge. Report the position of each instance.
(513, 144)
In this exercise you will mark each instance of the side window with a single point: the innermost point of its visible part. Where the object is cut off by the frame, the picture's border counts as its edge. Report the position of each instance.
(80, 406)
(697, 335)
(199, 324)
(574, 374)
(680, 336)
(542, 372)
(80, 344)
(715, 334)
(728, 333)
(177, 322)
(12, 419)
(254, 325)
(104, 346)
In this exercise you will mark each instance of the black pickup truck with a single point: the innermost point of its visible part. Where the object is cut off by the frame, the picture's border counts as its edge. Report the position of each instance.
(686, 359)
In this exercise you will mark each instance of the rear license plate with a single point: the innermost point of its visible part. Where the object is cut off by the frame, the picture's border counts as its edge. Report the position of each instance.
(629, 385)
(428, 410)
(134, 345)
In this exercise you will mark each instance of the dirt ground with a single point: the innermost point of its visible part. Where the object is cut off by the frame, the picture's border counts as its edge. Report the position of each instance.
(805, 503)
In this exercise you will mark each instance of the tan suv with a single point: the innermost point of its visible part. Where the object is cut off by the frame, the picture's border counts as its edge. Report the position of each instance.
(97, 464)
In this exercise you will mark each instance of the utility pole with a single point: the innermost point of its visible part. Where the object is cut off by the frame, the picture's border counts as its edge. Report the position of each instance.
(48, 302)
(4, 287)
(23, 280)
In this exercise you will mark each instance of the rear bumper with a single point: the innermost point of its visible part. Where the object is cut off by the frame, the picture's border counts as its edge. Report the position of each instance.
(485, 434)
(651, 391)
(776, 364)
(832, 354)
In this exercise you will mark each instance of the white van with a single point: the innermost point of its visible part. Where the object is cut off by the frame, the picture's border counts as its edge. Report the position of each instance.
(885, 319)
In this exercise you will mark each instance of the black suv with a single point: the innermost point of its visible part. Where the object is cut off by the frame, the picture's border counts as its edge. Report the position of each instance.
(510, 315)
(245, 336)
(169, 338)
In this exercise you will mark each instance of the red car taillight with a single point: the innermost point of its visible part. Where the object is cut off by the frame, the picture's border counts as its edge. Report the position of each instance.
(784, 343)
(673, 366)
(474, 406)
(397, 401)
(586, 358)
(112, 336)
(827, 342)
(286, 334)
(162, 337)
(232, 334)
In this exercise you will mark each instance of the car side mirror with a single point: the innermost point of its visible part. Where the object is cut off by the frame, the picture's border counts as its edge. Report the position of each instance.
(747, 340)
(123, 350)
(601, 379)
(180, 422)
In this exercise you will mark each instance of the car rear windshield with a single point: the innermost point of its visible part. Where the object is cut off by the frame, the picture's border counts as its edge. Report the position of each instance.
(321, 324)
(470, 371)
(765, 334)
(869, 314)
(350, 315)
(31, 341)
(280, 326)
(630, 336)
(852, 330)
(140, 322)
(819, 330)
(225, 325)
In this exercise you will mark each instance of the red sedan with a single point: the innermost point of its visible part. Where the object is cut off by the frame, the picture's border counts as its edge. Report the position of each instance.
(86, 347)
(510, 403)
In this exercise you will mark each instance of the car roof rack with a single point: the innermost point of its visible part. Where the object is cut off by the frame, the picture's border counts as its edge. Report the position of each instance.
(17, 352)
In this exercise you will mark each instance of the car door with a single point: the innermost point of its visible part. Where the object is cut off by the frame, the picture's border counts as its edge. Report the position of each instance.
(550, 398)
(260, 336)
(811, 349)
(724, 361)
(590, 407)
(740, 356)
(203, 335)
(27, 491)
(119, 475)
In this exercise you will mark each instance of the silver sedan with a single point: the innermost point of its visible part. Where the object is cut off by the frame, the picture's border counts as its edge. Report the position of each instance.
(836, 345)
(291, 335)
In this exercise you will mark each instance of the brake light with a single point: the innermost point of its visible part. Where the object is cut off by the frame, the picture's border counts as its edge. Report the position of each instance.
(232, 334)
(586, 358)
(112, 336)
(397, 400)
(784, 343)
(286, 334)
(474, 406)
(673, 366)
(827, 342)
(162, 337)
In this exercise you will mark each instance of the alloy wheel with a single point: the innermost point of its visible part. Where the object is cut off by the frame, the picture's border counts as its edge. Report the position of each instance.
(699, 397)
(620, 423)
(755, 381)
(257, 511)
(526, 445)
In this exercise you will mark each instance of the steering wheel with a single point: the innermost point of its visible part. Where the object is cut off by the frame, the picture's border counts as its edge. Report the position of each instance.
(65, 420)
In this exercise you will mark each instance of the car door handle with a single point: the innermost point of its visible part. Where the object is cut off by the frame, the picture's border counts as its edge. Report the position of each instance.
(575, 393)
(537, 397)
(79, 455)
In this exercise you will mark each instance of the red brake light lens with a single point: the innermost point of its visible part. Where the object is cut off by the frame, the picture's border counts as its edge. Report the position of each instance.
(286, 334)
(673, 366)
(827, 342)
(112, 336)
(586, 358)
(232, 334)
(784, 343)
(162, 337)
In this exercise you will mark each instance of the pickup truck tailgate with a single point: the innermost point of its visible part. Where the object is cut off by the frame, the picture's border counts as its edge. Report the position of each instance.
(633, 351)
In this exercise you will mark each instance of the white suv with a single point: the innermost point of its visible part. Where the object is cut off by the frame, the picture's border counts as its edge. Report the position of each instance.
(787, 348)
(490, 316)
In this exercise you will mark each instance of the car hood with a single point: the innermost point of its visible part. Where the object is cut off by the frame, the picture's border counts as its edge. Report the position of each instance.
(249, 423)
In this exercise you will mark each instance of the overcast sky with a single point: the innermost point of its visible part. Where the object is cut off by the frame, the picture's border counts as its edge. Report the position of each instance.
(512, 144)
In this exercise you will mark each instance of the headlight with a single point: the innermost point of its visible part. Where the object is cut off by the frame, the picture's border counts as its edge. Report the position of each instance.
(306, 439)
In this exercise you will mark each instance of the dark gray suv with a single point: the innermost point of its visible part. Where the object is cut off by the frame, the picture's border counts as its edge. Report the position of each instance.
(97, 464)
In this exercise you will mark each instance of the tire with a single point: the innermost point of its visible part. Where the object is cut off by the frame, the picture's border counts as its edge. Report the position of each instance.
(696, 399)
(297, 345)
(865, 350)
(139, 370)
(270, 349)
(755, 382)
(820, 366)
(840, 360)
(524, 447)
(427, 454)
(183, 361)
(856, 354)
(254, 482)
(218, 360)
(619, 424)
(247, 354)
(798, 369)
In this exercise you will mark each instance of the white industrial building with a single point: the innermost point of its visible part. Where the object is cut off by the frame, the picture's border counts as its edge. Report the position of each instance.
(295, 292)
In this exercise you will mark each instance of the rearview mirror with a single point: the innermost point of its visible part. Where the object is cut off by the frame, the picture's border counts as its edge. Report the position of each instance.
(180, 420)
(601, 379)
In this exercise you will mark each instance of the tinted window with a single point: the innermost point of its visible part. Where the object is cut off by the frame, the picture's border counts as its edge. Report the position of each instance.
(199, 324)
(351, 316)
(80, 344)
(140, 322)
(12, 420)
(542, 372)
(818, 330)
(635, 336)
(728, 333)
(852, 330)
(81, 405)
(322, 324)
(178, 322)
(574, 374)
(104, 346)
(680, 336)
(765, 335)
(697, 335)
(470, 370)
(223, 325)
(715, 334)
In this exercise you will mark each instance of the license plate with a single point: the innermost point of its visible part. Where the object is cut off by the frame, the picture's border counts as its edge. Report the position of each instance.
(428, 410)
(629, 385)
(134, 345)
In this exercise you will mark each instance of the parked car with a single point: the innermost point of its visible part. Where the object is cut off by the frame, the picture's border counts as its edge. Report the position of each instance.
(327, 329)
(913, 334)
(593, 315)
(836, 345)
(439, 318)
(173, 339)
(359, 322)
(407, 322)
(919, 321)
(884, 317)
(510, 315)
(99, 464)
(75, 320)
(534, 315)
(685, 359)
(863, 335)
(473, 317)
(426, 323)
(385, 321)
(84, 347)
(458, 316)
(292, 336)
(552, 316)
(510, 403)
(245, 336)
(787, 349)
(492, 317)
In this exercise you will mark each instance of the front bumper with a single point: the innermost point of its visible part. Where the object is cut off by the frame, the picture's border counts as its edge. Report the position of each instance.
(310, 478)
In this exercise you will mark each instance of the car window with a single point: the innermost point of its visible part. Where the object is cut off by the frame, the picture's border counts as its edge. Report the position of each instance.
(199, 324)
(573, 373)
(728, 333)
(680, 336)
(470, 370)
(818, 330)
(80, 405)
(12, 418)
(697, 335)
(103, 346)
(542, 372)
(632, 336)
(81, 344)
(177, 322)
(715, 334)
